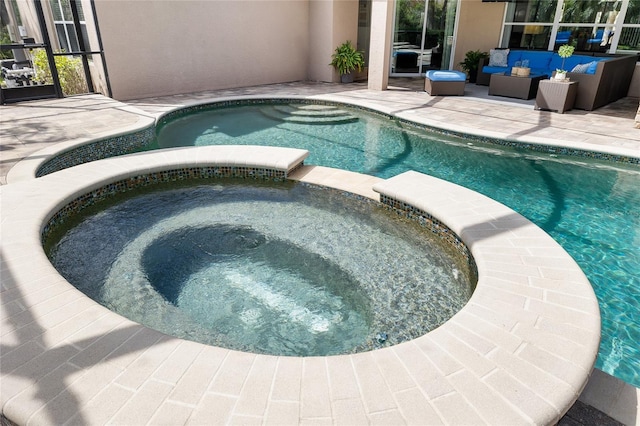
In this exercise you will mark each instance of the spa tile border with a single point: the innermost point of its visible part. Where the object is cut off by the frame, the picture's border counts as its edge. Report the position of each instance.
(436, 227)
(97, 150)
(139, 140)
(146, 180)
(520, 352)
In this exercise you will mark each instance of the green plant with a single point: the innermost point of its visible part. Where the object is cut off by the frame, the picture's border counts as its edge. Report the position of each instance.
(347, 59)
(70, 72)
(471, 62)
(5, 39)
(564, 52)
(472, 59)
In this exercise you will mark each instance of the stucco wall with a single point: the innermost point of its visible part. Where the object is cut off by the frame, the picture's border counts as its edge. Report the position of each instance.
(181, 46)
(479, 27)
(331, 24)
(29, 19)
(320, 40)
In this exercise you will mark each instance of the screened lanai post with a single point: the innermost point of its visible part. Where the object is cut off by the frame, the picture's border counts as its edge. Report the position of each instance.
(81, 45)
(47, 47)
(94, 14)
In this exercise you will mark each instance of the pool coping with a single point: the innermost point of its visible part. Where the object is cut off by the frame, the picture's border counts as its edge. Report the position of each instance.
(520, 352)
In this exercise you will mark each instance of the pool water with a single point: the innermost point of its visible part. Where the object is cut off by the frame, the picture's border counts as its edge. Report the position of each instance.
(591, 208)
(281, 268)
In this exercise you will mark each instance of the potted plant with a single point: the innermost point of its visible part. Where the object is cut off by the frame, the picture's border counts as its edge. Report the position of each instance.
(564, 52)
(345, 60)
(472, 62)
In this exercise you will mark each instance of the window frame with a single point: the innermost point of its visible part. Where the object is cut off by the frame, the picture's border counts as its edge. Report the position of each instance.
(557, 25)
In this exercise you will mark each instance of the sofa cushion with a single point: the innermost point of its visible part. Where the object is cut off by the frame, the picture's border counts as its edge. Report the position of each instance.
(537, 59)
(513, 57)
(445, 75)
(563, 37)
(498, 57)
(569, 63)
(492, 70)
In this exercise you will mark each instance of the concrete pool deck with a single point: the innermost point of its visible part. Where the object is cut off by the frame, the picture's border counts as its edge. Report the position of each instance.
(29, 126)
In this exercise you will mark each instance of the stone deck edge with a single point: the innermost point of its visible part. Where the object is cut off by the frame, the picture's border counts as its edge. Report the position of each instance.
(520, 352)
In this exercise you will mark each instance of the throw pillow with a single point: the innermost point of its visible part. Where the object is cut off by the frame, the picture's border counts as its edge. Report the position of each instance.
(498, 57)
(591, 69)
(581, 68)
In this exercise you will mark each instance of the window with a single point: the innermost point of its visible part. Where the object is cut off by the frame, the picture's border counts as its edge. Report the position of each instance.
(630, 34)
(63, 21)
(589, 11)
(528, 24)
(593, 24)
(532, 11)
(588, 25)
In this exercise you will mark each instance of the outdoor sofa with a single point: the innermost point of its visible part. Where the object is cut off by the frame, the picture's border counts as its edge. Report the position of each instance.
(602, 78)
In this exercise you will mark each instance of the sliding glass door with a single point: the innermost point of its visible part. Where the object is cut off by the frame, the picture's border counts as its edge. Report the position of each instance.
(422, 36)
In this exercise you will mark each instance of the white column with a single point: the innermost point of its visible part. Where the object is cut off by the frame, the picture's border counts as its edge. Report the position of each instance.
(380, 43)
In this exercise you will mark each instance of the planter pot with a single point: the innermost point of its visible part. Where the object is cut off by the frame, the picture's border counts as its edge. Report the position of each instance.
(473, 76)
(560, 76)
(346, 78)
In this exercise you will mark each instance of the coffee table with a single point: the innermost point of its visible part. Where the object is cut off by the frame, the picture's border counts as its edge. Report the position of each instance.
(505, 84)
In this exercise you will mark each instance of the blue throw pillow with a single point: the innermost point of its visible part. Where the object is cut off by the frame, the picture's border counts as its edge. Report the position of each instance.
(580, 68)
(498, 57)
(591, 69)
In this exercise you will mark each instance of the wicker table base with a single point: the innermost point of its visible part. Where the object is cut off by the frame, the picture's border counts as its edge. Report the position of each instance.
(514, 86)
(556, 96)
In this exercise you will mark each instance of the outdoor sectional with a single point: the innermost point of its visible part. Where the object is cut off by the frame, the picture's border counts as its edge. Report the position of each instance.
(604, 78)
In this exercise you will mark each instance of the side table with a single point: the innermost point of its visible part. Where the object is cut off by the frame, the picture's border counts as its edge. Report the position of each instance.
(556, 95)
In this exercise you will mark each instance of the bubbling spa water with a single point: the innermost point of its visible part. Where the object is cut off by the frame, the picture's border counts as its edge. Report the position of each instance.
(276, 268)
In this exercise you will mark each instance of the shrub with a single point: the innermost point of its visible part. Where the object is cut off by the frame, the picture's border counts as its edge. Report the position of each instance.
(70, 72)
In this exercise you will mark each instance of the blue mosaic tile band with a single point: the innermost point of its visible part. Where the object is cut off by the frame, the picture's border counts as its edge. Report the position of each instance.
(435, 226)
(548, 149)
(146, 180)
(103, 148)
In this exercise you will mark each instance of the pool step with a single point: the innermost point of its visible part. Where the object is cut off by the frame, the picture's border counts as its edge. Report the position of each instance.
(310, 114)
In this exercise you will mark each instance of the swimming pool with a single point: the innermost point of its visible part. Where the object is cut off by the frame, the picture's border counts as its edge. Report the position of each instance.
(590, 207)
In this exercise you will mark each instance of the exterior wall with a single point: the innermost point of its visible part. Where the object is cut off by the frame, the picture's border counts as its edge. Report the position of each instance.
(29, 19)
(176, 46)
(320, 40)
(479, 28)
(331, 24)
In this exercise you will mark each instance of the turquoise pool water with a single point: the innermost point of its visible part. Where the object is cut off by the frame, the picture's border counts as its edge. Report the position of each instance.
(591, 208)
(276, 268)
